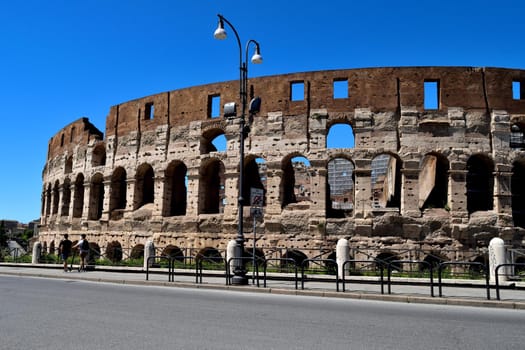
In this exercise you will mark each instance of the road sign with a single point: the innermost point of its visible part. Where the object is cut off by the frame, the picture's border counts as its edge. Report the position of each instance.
(256, 197)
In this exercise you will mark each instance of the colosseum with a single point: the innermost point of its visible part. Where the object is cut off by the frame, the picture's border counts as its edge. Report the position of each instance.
(434, 166)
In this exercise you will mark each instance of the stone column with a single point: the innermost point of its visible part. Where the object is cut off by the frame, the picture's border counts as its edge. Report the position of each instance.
(107, 198)
(503, 194)
(410, 188)
(87, 199)
(457, 193)
(497, 256)
(342, 255)
(149, 250)
(37, 251)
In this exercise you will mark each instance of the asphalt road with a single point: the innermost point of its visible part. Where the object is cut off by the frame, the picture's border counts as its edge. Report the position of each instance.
(38, 313)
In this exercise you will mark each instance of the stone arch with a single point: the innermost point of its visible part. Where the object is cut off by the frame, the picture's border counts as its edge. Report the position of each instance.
(66, 197)
(68, 166)
(114, 251)
(96, 197)
(340, 187)
(384, 258)
(78, 200)
(118, 190)
(385, 179)
(209, 254)
(296, 179)
(144, 186)
(340, 134)
(173, 252)
(434, 259)
(433, 181)
(137, 252)
(48, 192)
(56, 197)
(175, 190)
(211, 187)
(517, 186)
(480, 183)
(98, 157)
(52, 248)
(206, 141)
(297, 256)
(255, 175)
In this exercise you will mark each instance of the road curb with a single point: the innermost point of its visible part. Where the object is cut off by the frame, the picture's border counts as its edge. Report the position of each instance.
(399, 298)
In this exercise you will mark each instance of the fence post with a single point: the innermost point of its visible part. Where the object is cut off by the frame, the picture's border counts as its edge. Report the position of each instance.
(149, 250)
(497, 257)
(37, 251)
(342, 254)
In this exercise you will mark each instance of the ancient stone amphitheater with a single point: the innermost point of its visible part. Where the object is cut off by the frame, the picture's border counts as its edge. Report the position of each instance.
(433, 168)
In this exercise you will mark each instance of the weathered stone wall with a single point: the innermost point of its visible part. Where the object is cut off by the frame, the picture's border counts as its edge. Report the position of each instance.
(385, 108)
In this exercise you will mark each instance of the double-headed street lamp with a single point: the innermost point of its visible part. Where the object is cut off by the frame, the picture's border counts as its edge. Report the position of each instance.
(230, 111)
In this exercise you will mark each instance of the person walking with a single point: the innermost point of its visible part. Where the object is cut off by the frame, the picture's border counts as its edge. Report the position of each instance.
(83, 247)
(64, 248)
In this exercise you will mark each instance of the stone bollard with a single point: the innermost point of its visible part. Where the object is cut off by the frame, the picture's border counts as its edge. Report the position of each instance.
(37, 252)
(342, 253)
(230, 253)
(497, 256)
(149, 250)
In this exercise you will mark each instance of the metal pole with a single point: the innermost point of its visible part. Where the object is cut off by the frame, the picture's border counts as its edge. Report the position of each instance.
(253, 249)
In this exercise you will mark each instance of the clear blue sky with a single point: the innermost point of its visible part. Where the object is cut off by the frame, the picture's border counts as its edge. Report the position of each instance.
(62, 60)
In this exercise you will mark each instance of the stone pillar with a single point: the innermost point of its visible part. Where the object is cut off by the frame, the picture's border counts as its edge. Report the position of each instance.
(230, 253)
(497, 256)
(158, 188)
(87, 199)
(342, 254)
(362, 188)
(503, 194)
(37, 251)
(130, 194)
(149, 250)
(458, 191)
(410, 188)
(107, 198)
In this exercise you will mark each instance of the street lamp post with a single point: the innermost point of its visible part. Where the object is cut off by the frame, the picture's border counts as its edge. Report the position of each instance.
(239, 277)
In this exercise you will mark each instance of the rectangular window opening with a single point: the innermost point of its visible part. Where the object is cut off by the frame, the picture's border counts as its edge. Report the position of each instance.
(431, 92)
(297, 91)
(340, 88)
(149, 111)
(516, 90)
(214, 106)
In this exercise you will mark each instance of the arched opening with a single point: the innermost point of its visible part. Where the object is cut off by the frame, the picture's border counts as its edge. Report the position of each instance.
(213, 140)
(175, 191)
(480, 183)
(117, 200)
(173, 252)
(114, 251)
(519, 270)
(66, 197)
(385, 258)
(52, 248)
(433, 181)
(68, 167)
(254, 177)
(211, 187)
(340, 189)
(340, 135)
(56, 197)
(259, 257)
(137, 252)
(48, 200)
(96, 197)
(78, 201)
(385, 179)
(433, 259)
(331, 266)
(209, 255)
(516, 136)
(94, 253)
(476, 270)
(144, 186)
(296, 183)
(517, 186)
(98, 158)
(297, 256)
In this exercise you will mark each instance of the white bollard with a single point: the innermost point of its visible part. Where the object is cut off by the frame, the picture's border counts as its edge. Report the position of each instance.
(149, 250)
(342, 253)
(230, 253)
(497, 256)
(37, 251)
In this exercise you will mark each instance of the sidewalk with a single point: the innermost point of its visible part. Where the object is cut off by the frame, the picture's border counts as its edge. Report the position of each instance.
(454, 292)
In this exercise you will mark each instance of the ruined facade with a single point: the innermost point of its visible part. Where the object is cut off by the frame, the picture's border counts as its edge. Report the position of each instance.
(436, 168)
